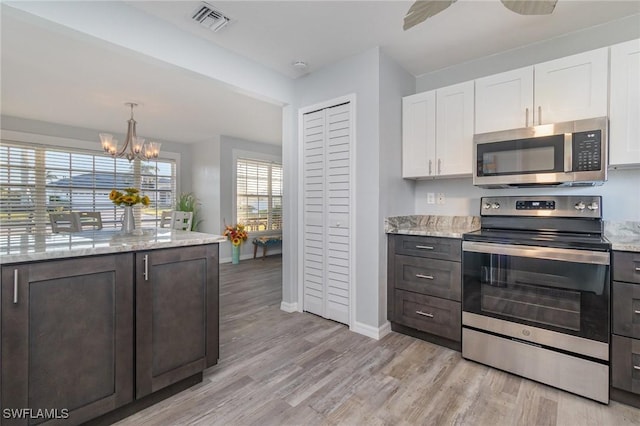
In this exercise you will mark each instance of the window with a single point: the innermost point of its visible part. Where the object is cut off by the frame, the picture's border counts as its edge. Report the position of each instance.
(36, 180)
(259, 194)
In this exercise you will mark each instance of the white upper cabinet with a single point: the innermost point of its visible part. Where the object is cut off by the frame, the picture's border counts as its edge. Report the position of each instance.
(419, 135)
(624, 113)
(504, 101)
(454, 129)
(437, 127)
(571, 88)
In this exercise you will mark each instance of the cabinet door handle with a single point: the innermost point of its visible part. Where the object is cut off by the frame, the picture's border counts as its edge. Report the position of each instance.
(439, 166)
(424, 247)
(146, 267)
(637, 269)
(15, 286)
(636, 367)
(429, 167)
(424, 314)
(539, 114)
(426, 277)
(526, 117)
(636, 312)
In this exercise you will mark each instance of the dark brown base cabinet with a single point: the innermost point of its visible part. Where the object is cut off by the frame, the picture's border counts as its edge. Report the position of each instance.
(625, 340)
(424, 288)
(82, 337)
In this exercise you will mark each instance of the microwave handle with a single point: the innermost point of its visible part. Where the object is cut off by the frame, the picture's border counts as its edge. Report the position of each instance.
(568, 152)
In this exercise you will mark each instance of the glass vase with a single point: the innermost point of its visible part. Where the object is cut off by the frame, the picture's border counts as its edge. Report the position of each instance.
(235, 254)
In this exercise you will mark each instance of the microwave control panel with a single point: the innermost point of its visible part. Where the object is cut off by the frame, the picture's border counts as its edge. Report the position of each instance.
(587, 148)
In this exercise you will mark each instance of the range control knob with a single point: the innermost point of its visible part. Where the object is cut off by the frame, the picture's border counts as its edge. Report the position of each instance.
(579, 206)
(593, 206)
(486, 206)
(495, 205)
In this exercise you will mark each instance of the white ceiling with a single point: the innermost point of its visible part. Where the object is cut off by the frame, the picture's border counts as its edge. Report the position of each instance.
(57, 75)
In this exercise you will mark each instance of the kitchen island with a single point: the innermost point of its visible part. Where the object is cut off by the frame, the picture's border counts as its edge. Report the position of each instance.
(96, 325)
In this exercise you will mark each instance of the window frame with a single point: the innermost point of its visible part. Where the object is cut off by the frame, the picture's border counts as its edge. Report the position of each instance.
(35, 141)
(258, 157)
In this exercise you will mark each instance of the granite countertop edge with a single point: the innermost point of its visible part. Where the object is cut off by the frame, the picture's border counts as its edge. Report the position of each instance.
(431, 225)
(623, 236)
(97, 244)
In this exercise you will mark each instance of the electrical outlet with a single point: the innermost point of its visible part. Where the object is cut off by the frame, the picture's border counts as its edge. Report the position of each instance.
(441, 199)
(431, 198)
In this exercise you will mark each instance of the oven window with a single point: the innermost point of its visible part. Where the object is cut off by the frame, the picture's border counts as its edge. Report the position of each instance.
(562, 296)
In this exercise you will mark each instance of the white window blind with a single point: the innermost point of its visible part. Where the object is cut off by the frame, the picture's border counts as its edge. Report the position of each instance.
(259, 194)
(36, 180)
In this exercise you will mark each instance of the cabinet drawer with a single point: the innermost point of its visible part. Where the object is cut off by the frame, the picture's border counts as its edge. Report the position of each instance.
(626, 309)
(625, 363)
(626, 266)
(431, 247)
(440, 278)
(431, 314)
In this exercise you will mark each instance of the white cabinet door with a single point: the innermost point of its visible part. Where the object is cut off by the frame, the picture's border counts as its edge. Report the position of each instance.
(454, 129)
(571, 88)
(504, 101)
(419, 135)
(624, 114)
(327, 194)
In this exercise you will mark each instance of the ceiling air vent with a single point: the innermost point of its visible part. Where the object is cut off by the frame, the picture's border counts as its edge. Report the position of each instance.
(209, 17)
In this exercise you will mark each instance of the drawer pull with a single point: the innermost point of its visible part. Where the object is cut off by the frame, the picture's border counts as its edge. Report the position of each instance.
(637, 269)
(15, 286)
(424, 314)
(424, 247)
(636, 367)
(426, 277)
(636, 312)
(146, 267)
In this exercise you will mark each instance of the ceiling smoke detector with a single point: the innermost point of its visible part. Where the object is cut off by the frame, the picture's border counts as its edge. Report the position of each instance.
(299, 65)
(208, 16)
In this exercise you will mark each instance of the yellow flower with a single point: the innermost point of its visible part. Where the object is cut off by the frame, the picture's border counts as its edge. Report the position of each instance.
(128, 199)
(236, 241)
(113, 195)
(132, 190)
(145, 200)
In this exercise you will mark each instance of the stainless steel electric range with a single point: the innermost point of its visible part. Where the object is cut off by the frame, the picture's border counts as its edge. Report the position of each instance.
(536, 291)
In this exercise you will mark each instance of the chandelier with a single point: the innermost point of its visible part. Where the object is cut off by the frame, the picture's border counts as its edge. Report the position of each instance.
(134, 147)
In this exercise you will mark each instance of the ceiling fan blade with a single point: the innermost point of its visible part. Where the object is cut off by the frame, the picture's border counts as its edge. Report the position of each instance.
(530, 7)
(423, 9)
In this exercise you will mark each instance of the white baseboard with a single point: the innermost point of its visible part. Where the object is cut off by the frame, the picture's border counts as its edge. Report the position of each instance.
(289, 307)
(370, 331)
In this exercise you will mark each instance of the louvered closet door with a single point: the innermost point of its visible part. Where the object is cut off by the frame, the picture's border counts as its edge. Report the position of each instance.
(327, 208)
(314, 212)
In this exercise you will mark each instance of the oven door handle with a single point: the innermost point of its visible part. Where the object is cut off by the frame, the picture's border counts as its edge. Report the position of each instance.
(550, 253)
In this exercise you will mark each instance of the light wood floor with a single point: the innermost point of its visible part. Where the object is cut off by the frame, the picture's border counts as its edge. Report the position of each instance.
(280, 368)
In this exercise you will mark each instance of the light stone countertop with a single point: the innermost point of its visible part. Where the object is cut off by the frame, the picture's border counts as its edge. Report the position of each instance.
(36, 247)
(432, 226)
(624, 236)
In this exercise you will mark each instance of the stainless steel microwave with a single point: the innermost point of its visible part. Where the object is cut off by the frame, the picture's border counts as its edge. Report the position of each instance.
(573, 153)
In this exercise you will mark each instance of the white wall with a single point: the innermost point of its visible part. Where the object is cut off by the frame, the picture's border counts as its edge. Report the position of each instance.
(357, 75)
(569, 44)
(205, 170)
(396, 194)
(620, 195)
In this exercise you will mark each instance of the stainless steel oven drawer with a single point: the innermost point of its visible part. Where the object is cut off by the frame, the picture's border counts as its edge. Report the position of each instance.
(433, 315)
(431, 247)
(626, 266)
(573, 374)
(440, 278)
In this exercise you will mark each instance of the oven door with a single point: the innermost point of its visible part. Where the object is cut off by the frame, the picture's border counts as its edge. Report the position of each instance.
(561, 290)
